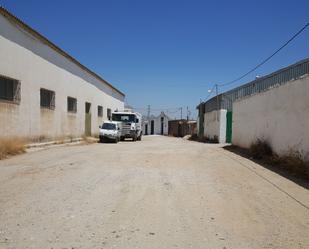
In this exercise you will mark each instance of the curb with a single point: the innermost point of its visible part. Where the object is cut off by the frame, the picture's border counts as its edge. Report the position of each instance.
(57, 142)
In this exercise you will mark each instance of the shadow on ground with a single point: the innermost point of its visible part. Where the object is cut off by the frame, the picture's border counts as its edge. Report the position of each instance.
(296, 178)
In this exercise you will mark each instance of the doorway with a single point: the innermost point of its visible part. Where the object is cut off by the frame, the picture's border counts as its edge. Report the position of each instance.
(229, 121)
(146, 129)
(88, 119)
(162, 125)
(152, 127)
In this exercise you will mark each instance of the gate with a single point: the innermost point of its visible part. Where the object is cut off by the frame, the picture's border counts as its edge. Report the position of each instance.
(229, 119)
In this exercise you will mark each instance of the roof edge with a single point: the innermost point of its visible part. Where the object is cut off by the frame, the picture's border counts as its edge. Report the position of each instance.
(43, 39)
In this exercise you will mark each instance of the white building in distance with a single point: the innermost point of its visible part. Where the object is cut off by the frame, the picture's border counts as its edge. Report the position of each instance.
(156, 125)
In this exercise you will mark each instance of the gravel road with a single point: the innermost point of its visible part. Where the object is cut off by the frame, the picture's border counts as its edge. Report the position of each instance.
(158, 193)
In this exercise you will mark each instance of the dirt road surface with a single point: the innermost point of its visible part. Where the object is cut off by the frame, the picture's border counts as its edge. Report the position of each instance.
(158, 193)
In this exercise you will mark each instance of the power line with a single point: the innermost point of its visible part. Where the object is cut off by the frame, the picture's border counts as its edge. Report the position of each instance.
(268, 58)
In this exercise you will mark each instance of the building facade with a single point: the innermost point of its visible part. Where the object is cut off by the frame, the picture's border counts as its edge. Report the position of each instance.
(279, 116)
(44, 92)
(216, 116)
(181, 127)
(156, 125)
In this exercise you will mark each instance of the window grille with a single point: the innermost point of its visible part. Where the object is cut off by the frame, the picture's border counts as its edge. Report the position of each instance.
(72, 105)
(100, 111)
(47, 98)
(10, 89)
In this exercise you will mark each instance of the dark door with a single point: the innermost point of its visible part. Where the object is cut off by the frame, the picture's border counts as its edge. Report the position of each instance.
(88, 119)
(179, 130)
(162, 125)
(229, 119)
(152, 127)
(146, 129)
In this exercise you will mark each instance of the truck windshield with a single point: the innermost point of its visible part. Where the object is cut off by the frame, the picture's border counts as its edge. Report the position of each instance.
(123, 117)
(109, 126)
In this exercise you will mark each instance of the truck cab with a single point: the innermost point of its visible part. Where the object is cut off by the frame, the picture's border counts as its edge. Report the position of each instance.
(131, 124)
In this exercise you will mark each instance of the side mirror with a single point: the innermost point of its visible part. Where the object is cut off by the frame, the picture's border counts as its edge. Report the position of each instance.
(100, 126)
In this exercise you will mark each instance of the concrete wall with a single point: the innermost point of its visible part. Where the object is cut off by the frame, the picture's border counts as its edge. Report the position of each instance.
(279, 115)
(215, 125)
(36, 65)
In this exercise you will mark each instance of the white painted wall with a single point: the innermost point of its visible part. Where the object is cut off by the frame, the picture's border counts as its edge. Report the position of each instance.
(279, 115)
(157, 124)
(215, 125)
(36, 65)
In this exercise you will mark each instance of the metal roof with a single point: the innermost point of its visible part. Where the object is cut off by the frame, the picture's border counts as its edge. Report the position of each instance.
(43, 39)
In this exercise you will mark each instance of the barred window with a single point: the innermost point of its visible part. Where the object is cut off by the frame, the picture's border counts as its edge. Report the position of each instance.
(9, 89)
(100, 111)
(47, 98)
(72, 105)
(109, 113)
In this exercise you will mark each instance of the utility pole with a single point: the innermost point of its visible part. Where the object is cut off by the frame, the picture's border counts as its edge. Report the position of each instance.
(180, 112)
(148, 112)
(187, 113)
(217, 102)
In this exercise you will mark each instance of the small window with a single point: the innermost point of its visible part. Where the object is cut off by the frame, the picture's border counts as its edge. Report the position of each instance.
(100, 111)
(109, 113)
(47, 98)
(9, 89)
(72, 105)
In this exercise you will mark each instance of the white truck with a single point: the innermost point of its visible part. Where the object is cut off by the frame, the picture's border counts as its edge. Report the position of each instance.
(131, 124)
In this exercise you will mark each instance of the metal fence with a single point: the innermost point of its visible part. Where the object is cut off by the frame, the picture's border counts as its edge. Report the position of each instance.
(280, 77)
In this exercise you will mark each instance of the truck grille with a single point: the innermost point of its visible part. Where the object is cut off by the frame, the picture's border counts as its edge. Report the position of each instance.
(126, 128)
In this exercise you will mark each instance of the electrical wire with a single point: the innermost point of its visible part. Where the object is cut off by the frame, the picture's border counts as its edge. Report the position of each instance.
(268, 58)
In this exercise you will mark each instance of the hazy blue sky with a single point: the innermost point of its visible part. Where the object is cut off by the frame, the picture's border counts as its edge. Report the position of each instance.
(169, 53)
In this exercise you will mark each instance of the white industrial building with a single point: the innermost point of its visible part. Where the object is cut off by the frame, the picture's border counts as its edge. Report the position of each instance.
(46, 92)
(156, 125)
(273, 108)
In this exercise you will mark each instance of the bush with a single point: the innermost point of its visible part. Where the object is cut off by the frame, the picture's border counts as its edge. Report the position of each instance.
(292, 161)
(9, 147)
(260, 149)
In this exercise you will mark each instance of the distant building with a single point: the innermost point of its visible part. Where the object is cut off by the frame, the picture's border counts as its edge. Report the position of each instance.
(156, 125)
(181, 127)
(45, 92)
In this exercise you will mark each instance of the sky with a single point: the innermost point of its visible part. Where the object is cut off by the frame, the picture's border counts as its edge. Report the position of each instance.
(169, 53)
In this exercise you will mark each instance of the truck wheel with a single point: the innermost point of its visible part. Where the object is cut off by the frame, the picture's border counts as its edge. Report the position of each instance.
(140, 137)
(134, 138)
(101, 140)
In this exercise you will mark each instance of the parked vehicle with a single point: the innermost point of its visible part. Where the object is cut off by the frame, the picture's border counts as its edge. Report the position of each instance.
(110, 131)
(131, 124)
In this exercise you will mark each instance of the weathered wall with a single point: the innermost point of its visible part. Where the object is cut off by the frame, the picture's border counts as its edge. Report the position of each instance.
(215, 125)
(279, 115)
(36, 65)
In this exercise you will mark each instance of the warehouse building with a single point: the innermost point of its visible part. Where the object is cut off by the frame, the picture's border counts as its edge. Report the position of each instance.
(215, 116)
(273, 108)
(45, 92)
